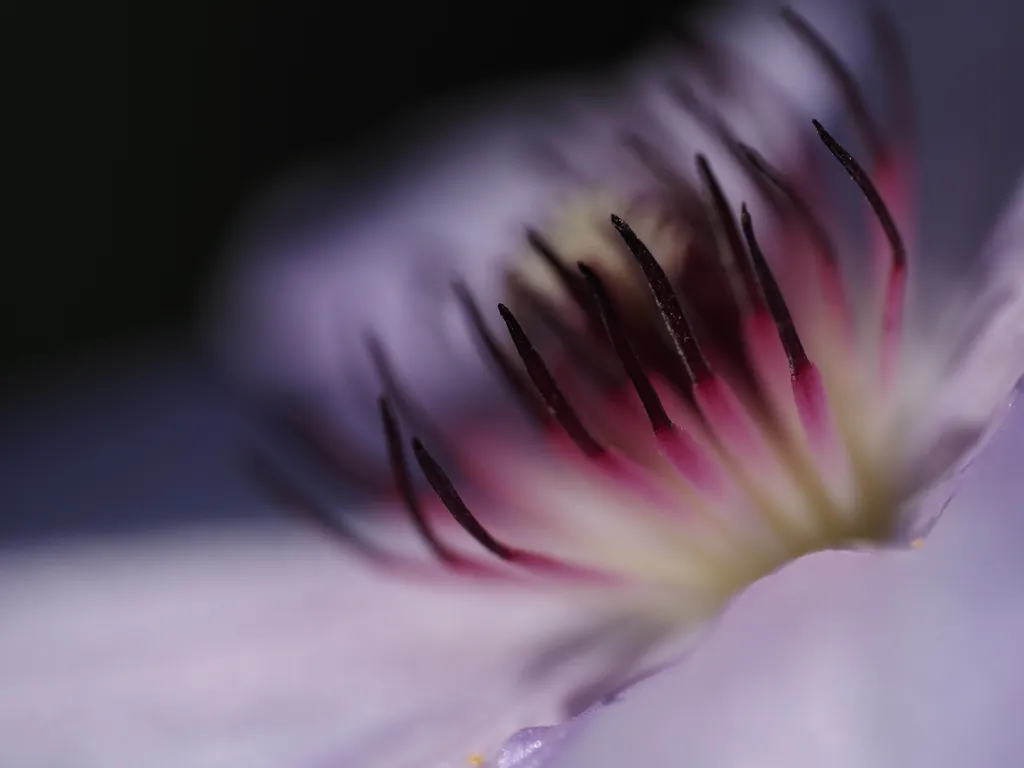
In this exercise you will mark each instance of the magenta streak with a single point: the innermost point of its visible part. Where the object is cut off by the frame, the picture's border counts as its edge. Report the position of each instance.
(892, 320)
(765, 348)
(469, 567)
(692, 462)
(833, 296)
(549, 566)
(725, 417)
(812, 405)
(637, 478)
(893, 177)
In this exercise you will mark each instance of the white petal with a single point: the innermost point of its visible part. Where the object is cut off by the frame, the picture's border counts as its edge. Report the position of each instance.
(853, 660)
(258, 648)
(974, 358)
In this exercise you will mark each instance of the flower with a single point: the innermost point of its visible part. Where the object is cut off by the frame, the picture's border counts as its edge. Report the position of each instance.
(781, 407)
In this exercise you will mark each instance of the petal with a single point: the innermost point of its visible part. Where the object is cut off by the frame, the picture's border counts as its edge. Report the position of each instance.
(242, 644)
(973, 361)
(852, 659)
(257, 648)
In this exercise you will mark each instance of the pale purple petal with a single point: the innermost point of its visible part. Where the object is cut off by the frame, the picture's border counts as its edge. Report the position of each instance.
(853, 659)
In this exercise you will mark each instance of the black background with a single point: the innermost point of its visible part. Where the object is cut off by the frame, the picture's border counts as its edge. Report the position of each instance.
(135, 131)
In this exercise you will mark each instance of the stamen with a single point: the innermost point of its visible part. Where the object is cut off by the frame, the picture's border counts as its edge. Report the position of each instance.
(867, 188)
(814, 227)
(895, 285)
(565, 276)
(678, 447)
(895, 177)
(445, 490)
(548, 389)
(774, 300)
(501, 360)
(533, 561)
(738, 265)
(660, 420)
(717, 126)
(697, 367)
(400, 472)
(589, 356)
(852, 94)
(396, 392)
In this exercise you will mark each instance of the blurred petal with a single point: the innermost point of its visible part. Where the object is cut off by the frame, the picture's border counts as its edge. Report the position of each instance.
(250, 647)
(977, 374)
(852, 660)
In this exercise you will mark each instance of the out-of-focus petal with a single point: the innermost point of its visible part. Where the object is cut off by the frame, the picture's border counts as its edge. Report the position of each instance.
(973, 358)
(261, 648)
(852, 660)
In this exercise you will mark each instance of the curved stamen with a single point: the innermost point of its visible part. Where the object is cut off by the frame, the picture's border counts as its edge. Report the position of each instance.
(533, 561)
(738, 266)
(847, 83)
(565, 276)
(867, 188)
(400, 473)
(817, 231)
(506, 369)
(660, 420)
(697, 366)
(548, 389)
(416, 416)
(717, 126)
(895, 285)
(445, 490)
(588, 355)
(774, 300)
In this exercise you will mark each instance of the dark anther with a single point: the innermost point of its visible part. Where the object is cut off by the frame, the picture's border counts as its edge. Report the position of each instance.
(415, 415)
(852, 94)
(803, 210)
(565, 276)
(867, 188)
(668, 304)
(773, 298)
(716, 125)
(630, 362)
(400, 472)
(726, 222)
(446, 492)
(589, 354)
(549, 391)
(499, 357)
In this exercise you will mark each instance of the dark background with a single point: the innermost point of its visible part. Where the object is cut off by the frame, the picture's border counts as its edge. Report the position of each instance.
(135, 131)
